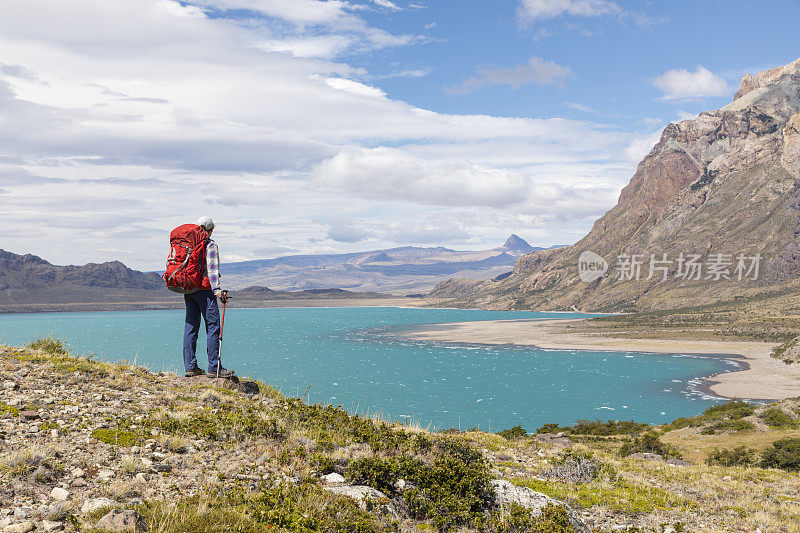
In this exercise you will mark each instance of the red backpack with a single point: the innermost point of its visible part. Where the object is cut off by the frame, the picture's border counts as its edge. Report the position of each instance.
(186, 261)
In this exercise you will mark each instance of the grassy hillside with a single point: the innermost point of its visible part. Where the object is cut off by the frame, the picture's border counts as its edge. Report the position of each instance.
(188, 456)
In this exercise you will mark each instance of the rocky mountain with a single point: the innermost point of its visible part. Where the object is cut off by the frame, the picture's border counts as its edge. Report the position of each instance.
(404, 270)
(30, 271)
(711, 214)
(29, 279)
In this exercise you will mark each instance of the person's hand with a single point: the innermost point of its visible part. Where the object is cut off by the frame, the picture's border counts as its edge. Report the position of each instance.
(223, 296)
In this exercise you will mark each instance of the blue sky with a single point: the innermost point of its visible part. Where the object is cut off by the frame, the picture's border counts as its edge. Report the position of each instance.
(321, 126)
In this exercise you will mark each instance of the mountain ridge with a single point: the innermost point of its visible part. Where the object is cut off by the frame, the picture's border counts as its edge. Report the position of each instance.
(399, 270)
(727, 182)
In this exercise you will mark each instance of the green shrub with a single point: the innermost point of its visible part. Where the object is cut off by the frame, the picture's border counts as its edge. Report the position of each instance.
(597, 428)
(118, 437)
(731, 426)
(733, 410)
(783, 454)
(777, 418)
(227, 421)
(517, 432)
(49, 345)
(548, 428)
(553, 519)
(738, 456)
(649, 443)
(450, 490)
(304, 507)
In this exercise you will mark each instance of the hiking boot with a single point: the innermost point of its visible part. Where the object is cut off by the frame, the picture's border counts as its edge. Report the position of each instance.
(194, 372)
(223, 373)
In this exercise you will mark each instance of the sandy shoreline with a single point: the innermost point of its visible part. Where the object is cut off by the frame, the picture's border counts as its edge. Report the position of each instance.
(761, 377)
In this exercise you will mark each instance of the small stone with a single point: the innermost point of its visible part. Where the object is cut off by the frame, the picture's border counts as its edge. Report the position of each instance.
(78, 482)
(23, 512)
(22, 527)
(147, 462)
(135, 449)
(59, 494)
(90, 506)
(161, 467)
(5, 521)
(141, 477)
(10, 385)
(333, 478)
(53, 433)
(105, 475)
(400, 484)
(29, 415)
(78, 472)
(122, 520)
(50, 526)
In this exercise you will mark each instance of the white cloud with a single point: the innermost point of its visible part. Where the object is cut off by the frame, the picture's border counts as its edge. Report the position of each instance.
(342, 229)
(681, 83)
(640, 147)
(391, 174)
(114, 113)
(387, 4)
(530, 10)
(536, 71)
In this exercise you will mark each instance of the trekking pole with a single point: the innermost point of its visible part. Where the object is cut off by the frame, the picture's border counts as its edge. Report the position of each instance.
(221, 327)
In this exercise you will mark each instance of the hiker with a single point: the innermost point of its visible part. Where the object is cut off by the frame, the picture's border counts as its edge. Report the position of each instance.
(203, 302)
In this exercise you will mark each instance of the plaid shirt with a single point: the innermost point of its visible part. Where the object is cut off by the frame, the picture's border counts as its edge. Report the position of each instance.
(212, 266)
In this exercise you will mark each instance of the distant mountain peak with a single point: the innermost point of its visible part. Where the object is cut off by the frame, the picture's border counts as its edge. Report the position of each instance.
(515, 243)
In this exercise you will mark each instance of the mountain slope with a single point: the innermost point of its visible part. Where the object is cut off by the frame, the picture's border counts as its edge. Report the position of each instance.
(399, 270)
(724, 183)
(29, 279)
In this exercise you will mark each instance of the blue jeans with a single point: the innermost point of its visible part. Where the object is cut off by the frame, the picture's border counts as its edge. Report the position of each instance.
(201, 303)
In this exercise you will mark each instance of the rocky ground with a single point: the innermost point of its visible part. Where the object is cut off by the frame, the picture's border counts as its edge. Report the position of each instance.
(90, 446)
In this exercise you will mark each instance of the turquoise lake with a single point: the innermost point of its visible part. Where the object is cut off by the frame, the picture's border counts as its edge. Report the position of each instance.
(347, 356)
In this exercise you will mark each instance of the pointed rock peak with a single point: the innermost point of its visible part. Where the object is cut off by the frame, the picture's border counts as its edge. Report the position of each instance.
(515, 243)
(751, 82)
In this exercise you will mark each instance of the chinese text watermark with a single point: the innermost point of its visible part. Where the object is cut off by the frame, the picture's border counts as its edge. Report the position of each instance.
(660, 267)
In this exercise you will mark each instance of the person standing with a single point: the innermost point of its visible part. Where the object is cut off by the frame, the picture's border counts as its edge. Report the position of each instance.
(203, 303)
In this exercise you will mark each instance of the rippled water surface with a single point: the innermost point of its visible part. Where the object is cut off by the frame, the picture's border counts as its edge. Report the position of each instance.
(348, 356)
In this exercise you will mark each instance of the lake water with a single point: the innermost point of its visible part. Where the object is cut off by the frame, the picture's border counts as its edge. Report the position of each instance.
(347, 356)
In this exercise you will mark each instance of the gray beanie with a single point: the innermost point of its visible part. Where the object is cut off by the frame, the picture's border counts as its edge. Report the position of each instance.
(206, 223)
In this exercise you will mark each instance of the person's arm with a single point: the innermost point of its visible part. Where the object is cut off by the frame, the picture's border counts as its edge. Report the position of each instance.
(212, 265)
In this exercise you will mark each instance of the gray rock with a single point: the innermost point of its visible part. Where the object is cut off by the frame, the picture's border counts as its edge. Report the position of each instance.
(161, 467)
(21, 527)
(23, 512)
(506, 493)
(333, 478)
(78, 482)
(122, 520)
(29, 415)
(10, 385)
(90, 506)
(59, 494)
(49, 526)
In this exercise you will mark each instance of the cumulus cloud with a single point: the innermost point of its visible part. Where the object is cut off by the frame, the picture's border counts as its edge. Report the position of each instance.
(681, 83)
(114, 113)
(537, 71)
(530, 10)
(640, 147)
(342, 229)
(390, 174)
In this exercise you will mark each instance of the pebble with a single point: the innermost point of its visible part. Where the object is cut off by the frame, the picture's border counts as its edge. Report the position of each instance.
(105, 475)
(90, 506)
(78, 482)
(49, 526)
(59, 494)
(333, 478)
(10, 385)
(141, 477)
(22, 527)
(78, 472)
